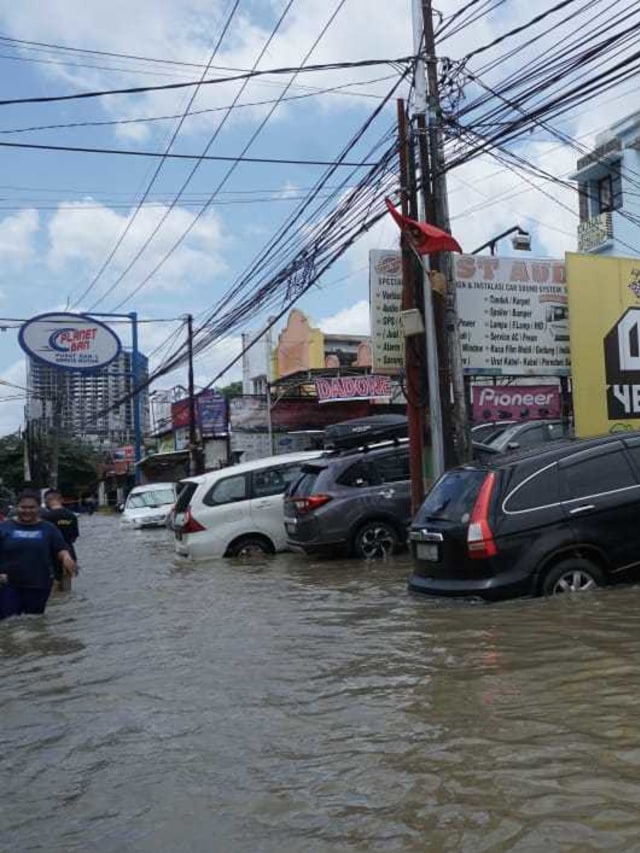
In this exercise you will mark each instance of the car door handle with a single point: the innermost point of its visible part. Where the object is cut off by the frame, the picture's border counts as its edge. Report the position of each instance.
(583, 508)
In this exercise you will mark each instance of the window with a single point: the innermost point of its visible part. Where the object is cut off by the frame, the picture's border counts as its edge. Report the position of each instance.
(393, 467)
(227, 491)
(274, 481)
(538, 490)
(583, 200)
(452, 497)
(359, 475)
(529, 437)
(558, 431)
(593, 475)
(605, 194)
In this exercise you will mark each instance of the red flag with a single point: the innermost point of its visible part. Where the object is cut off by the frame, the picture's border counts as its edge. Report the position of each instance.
(426, 238)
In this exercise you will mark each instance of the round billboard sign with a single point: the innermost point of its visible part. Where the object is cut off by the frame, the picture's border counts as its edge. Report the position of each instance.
(69, 341)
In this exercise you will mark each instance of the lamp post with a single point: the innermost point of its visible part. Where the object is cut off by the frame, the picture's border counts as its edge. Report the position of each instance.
(521, 240)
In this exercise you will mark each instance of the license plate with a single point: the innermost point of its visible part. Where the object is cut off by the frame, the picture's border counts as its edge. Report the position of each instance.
(289, 527)
(427, 552)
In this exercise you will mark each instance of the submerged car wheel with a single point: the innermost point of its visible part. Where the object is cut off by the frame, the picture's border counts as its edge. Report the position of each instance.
(250, 546)
(375, 540)
(576, 575)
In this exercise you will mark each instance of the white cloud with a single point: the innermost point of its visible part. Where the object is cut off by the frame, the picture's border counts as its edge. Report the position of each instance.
(85, 232)
(12, 410)
(17, 236)
(350, 321)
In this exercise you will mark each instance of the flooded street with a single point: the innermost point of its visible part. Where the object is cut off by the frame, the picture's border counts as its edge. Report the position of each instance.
(297, 705)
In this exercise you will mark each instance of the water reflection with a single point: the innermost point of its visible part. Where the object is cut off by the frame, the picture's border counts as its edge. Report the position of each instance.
(286, 704)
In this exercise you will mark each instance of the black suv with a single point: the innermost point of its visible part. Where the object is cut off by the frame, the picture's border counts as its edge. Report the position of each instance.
(561, 518)
(355, 502)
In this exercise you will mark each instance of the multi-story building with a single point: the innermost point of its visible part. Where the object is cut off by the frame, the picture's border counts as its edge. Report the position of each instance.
(609, 190)
(81, 402)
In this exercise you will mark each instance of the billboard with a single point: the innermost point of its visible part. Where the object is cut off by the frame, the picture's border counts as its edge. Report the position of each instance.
(248, 414)
(515, 402)
(604, 303)
(385, 300)
(513, 316)
(211, 414)
(69, 341)
(369, 387)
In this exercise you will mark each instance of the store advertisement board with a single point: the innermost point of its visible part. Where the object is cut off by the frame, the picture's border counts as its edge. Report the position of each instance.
(513, 316)
(515, 402)
(604, 304)
(385, 299)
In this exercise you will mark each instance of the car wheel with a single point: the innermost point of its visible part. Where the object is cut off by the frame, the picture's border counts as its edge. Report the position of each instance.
(375, 540)
(250, 546)
(575, 575)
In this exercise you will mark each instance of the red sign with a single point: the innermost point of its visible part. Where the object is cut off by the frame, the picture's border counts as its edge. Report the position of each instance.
(298, 414)
(337, 388)
(515, 402)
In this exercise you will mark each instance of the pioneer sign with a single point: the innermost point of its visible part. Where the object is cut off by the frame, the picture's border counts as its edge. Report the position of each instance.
(69, 341)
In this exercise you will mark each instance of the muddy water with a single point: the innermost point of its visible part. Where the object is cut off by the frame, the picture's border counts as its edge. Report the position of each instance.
(291, 705)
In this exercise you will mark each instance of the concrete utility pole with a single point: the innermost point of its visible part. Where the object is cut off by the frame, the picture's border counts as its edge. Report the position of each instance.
(423, 25)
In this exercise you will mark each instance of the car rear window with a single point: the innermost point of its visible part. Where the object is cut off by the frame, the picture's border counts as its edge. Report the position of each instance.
(452, 497)
(184, 495)
(306, 482)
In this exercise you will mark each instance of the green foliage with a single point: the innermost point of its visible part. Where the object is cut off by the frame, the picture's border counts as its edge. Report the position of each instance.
(76, 471)
(234, 389)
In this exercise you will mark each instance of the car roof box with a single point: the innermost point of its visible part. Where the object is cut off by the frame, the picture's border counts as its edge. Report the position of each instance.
(360, 431)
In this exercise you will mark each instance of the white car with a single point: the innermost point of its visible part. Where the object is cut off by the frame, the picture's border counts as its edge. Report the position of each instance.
(237, 510)
(149, 506)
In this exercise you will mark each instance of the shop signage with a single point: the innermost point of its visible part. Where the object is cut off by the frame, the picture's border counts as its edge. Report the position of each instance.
(69, 341)
(385, 298)
(370, 387)
(211, 414)
(515, 402)
(513, 316)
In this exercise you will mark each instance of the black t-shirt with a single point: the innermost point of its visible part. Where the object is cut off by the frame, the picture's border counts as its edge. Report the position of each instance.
(66, 522)
(28, 553)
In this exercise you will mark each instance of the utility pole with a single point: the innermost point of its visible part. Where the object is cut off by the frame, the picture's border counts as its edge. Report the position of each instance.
(193, 428)
(413, 374)
(460, 422)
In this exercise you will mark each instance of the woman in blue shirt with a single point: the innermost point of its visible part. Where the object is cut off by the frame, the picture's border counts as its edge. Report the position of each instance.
(30, 550)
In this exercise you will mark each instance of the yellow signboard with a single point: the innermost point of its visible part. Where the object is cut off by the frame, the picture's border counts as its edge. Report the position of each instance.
(604, 327)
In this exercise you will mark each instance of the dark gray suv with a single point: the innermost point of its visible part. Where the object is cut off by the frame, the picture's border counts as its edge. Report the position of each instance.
(355, 502)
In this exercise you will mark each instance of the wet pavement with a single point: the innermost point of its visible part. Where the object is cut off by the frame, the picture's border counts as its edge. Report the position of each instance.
(287, 704)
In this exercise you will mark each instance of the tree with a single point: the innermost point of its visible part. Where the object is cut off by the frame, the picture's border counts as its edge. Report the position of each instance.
(77, 468)
(234, 389)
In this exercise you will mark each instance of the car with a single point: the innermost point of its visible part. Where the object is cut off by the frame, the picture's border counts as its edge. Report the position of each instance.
(556, 519)
(355, 502)
(237, 510)
(528, 434)
(489, 430)
(149, 505)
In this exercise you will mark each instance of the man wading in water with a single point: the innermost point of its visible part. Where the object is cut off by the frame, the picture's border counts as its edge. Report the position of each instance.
(30, 551)
(67, 524)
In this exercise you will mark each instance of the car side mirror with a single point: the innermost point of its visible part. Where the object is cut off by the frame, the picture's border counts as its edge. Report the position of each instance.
(513, 445)
(119, 507)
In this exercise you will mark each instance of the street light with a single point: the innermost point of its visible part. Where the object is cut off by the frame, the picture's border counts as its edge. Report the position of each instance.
(521, 241)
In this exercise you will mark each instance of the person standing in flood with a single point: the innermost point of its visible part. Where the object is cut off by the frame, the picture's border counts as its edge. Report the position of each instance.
(67, 523)
(30, 550)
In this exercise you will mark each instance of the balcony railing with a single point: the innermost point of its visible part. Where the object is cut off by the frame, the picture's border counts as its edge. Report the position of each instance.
(594, 232)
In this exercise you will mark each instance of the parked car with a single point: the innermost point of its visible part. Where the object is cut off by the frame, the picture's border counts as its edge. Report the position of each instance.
(149, 506)
(528, 434)
(560, 518)
(488, 431)
(236, 511)
(356, 502)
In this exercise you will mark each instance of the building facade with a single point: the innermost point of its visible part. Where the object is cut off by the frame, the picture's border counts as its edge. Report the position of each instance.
(609, 191)
(78, 402)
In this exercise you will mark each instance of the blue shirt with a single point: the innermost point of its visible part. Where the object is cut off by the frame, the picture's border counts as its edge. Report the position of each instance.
(29, 553)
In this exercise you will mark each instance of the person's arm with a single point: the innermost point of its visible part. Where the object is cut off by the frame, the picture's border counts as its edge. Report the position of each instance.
(61, 551)
(68, 564)
(75, 529)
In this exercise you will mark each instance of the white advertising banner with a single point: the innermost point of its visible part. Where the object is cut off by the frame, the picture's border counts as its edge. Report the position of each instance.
(69, 341)
(385, 299)
(513, 316)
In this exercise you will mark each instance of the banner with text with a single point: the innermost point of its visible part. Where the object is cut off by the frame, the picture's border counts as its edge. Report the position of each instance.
(514, 318)
(335, 388)
(385, 300)
(515, 402)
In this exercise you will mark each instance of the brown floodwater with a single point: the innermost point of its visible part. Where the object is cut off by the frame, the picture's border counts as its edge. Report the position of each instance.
(297, 705)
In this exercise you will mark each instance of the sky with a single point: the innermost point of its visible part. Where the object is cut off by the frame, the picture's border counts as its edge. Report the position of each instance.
(63, 214)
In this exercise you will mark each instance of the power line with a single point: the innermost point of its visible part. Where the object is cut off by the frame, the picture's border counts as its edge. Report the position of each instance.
(136, 90)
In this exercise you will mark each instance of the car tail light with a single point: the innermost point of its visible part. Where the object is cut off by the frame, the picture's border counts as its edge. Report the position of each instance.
(308, 504)
(190, 524)
(480, 541)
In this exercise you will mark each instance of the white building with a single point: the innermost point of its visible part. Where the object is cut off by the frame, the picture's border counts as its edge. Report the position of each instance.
(78, 400)
(609, 186)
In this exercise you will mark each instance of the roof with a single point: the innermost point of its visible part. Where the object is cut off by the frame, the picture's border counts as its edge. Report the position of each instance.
(257, 464)
(173, 455)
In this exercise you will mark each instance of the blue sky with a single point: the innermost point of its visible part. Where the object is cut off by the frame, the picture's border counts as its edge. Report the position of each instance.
(62, 213)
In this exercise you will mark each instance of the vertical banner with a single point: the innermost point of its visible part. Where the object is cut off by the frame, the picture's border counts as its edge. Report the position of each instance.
(604, 318)
(385, 299)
